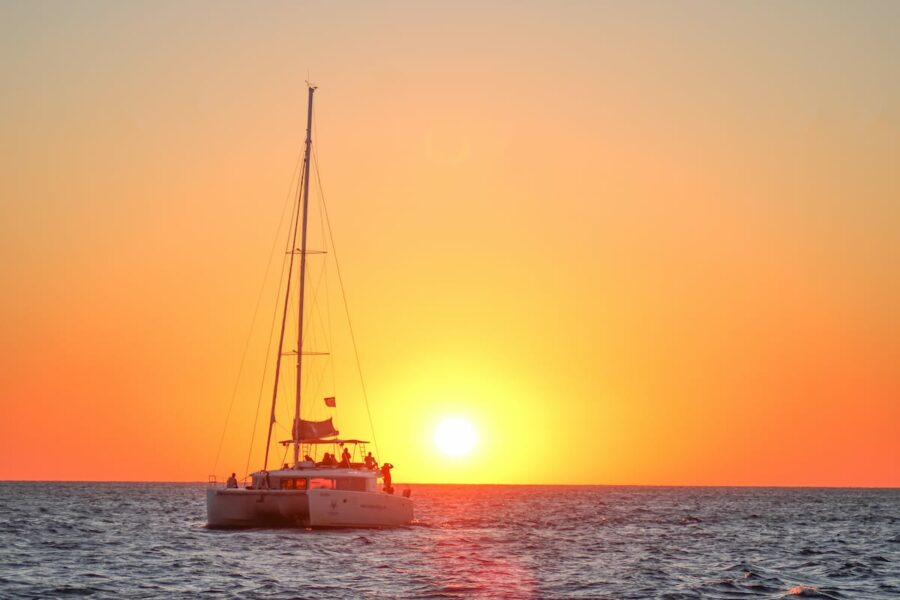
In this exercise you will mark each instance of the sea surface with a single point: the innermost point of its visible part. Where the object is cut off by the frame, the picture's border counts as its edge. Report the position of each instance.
(149, 541)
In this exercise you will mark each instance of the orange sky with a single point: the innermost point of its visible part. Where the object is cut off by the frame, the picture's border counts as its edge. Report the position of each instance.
(649, 244)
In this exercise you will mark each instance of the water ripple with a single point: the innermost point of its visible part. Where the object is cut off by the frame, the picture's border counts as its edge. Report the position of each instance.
(149, 540)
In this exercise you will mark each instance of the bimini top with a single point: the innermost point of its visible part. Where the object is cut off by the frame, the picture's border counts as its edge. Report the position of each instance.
(355, 472)
(328, 441)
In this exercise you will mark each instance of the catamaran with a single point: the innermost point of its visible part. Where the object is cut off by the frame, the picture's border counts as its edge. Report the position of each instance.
(310, 491)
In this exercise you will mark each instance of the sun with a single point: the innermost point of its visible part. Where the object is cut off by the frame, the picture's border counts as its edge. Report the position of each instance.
(455, 437)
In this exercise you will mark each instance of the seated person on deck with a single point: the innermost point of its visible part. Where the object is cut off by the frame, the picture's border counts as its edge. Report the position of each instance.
(371, 463)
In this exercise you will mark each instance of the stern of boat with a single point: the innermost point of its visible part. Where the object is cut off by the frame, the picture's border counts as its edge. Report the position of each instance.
(337, 508)
(237, 508)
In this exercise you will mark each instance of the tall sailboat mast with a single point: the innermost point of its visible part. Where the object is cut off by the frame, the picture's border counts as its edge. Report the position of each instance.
(306, 161)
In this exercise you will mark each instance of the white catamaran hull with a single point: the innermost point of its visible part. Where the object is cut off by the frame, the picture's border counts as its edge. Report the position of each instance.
(232, 508)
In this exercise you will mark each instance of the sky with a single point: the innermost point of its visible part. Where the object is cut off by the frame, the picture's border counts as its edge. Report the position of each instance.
(628, 243)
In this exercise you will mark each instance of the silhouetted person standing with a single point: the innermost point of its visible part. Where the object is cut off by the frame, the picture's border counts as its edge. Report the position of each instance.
(345, 459)
(232, 482)
(386, 473)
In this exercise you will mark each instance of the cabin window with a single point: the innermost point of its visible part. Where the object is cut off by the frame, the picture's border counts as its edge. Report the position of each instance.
(293, 484)
(352, 484)
(321, 483)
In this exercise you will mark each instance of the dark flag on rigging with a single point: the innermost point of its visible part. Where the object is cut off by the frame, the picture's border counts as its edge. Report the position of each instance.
(329, 401)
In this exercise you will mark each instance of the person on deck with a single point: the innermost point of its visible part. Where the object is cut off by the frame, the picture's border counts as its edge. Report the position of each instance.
(386, 473)
(371, 462)
(345, 459)
(232, 482)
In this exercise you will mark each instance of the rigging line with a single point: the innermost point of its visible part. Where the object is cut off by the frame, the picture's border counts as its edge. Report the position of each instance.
(316, 391)
(253, 323)
(324, 341)
(337, 268)
(296, 177)
(329, 329)
(237, 381)
(291, 243)
(286, 433)
(262, 380)
(286, 385)
(285, 430)
(309, 326)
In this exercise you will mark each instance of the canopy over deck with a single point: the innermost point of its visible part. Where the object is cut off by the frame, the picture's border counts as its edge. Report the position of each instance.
(323, 441)
(322, 472)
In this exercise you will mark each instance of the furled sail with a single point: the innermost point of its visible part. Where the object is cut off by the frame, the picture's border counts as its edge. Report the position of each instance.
(313, 430)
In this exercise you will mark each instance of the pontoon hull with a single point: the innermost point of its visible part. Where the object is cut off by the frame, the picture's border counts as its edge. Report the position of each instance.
(241, 508)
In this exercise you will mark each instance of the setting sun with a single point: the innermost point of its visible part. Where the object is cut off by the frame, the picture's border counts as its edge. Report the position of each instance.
(455, 437)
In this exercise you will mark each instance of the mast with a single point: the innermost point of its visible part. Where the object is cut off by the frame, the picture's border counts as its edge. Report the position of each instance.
(306, 161)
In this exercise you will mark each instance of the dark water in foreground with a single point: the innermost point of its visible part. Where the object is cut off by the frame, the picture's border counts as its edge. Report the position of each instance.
(149, 540)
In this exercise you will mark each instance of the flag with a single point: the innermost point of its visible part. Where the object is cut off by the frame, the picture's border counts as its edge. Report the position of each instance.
(329, 401)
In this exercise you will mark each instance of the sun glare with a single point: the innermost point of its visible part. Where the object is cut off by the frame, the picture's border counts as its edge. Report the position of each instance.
(455, 437)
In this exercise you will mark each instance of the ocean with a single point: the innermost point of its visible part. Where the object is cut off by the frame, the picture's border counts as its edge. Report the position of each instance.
(148, 540)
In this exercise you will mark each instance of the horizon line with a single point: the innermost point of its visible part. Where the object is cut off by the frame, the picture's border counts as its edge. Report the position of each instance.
(636, 485)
